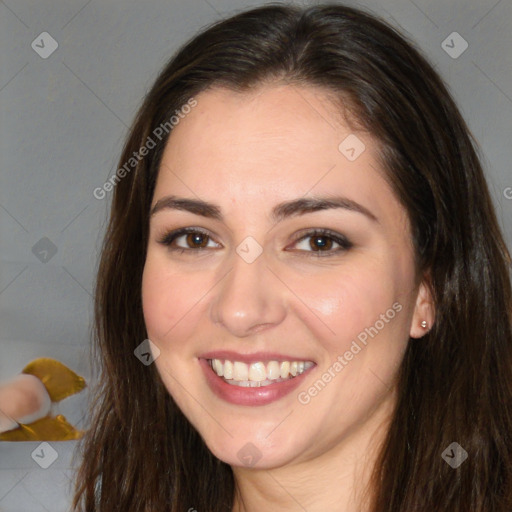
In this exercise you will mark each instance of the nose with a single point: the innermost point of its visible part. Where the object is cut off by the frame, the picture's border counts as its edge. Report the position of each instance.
(249, 299)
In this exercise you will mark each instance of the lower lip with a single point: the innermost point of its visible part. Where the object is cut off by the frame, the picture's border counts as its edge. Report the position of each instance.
(249, 396)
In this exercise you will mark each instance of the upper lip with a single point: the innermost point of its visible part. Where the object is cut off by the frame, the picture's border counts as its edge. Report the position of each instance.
(251, 358)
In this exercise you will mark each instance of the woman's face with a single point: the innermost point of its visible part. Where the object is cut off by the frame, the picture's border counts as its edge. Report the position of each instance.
(258, 284)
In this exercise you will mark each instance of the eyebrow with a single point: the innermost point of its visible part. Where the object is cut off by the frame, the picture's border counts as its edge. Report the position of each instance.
(280, 212)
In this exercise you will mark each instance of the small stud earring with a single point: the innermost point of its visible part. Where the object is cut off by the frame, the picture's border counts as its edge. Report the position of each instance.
(424, 324)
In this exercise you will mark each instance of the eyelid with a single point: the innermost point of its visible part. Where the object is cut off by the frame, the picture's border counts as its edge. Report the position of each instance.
(345, 244)
(170, 236)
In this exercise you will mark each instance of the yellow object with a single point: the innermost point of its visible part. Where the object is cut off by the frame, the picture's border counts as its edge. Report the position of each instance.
(60, 382)
(58, 379)
(45, 429)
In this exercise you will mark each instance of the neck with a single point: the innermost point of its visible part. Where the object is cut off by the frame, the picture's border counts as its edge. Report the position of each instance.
(338, 478)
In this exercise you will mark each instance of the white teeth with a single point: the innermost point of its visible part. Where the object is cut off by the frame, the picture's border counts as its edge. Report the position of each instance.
(227, 370)
(257, 373)
(273, 370)
(218, 367)
(284, 369)
(240, 371)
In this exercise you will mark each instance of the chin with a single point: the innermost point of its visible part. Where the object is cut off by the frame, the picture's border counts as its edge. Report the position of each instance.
(255, 450)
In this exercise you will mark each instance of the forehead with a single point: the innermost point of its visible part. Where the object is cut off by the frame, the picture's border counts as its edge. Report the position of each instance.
(274, 119)
(273, 144)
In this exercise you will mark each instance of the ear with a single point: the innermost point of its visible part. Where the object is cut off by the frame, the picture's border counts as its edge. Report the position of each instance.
(424, 310)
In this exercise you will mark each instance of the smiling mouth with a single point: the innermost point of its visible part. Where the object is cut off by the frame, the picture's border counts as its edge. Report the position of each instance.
(257, 374)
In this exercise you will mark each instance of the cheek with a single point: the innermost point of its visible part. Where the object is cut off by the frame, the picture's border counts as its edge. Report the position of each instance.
(345, 304)
(164, 298)
(152, 299)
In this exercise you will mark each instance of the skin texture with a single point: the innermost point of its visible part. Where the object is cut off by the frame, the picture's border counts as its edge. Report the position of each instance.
(248, 152)
(25, 399)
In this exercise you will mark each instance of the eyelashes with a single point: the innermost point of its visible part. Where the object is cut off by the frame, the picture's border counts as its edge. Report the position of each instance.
(320, 244)
(170, 237)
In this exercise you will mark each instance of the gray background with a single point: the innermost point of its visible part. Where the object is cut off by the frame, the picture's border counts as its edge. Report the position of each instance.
(63, 121)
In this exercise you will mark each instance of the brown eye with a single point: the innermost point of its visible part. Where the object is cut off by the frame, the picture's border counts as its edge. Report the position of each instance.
(322, 242)
(197, 239)
(194, 240)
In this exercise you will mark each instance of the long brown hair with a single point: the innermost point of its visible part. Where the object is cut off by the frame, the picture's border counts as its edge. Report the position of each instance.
(140, 452)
